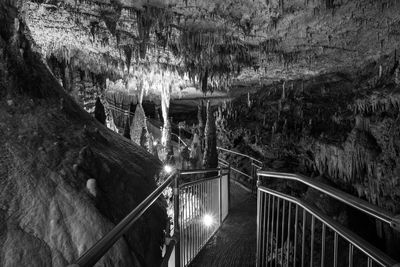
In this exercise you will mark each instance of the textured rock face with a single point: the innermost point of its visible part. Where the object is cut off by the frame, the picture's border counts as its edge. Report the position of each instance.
(342, 128)
(49, 149)
(254, 41)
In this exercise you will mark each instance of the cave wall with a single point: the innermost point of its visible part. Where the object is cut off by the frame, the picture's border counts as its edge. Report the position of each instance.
(340, 127)
(65, 179)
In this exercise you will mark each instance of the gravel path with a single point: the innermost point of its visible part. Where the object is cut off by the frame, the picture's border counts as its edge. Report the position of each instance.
(235, 243)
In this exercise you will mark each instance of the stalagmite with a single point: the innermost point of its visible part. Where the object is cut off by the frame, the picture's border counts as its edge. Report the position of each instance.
(139, 123)
(165, 102)
(210, 159)
(99, 112)
(201, 118)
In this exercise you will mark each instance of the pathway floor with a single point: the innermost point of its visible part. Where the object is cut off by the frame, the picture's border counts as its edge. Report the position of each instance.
(235, 243)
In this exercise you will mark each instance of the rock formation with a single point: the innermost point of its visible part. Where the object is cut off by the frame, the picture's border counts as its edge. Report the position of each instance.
(49, 149)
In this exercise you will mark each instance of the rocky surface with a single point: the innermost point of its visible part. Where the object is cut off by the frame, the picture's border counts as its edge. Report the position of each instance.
(340, 127)
(65, 179)
(181, 44)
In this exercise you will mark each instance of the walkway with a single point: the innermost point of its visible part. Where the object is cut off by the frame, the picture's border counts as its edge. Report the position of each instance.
(235, 242)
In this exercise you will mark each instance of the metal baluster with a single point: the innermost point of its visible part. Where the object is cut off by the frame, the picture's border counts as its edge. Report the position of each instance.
(195, 222)
(189, 227)
(303, 239)
(351, 251)
(262, 227)
(198, 216)
(277, 232)
(191, 223)
(323, 245)
(369, 262)
(272, 227)
(335, 250)
(267, 234)
(288, 233)
(283, 229)
(312, 239)
(203, 194)
(259, 235)
(185, 208)
(208, 209)
(180, 227)
(296, 217)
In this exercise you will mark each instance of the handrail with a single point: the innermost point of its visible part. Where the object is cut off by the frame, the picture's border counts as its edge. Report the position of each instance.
(199, 181)
(239, 154)
(346, 198)
(90, 257)
(200, 171)
(357, 241)
(93, 255)
(180, 139)
(240, 172)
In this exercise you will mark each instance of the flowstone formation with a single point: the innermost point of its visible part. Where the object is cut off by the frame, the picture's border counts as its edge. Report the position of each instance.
(62, 184)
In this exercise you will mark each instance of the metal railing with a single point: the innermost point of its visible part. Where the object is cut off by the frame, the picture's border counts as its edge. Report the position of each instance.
(93, 255)
(255, 165)
(200, 206)
(291, 232)
(205, 205)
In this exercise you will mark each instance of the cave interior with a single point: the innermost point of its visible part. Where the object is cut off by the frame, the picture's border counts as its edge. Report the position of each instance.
(98, 96)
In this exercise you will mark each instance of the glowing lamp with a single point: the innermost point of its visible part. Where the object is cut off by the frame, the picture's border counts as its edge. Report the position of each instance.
(167, 168)
(208, 220)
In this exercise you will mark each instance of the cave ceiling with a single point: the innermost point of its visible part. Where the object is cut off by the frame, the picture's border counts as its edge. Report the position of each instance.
(213, 45)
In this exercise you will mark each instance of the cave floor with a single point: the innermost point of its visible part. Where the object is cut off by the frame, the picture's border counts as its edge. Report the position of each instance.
(235, 242)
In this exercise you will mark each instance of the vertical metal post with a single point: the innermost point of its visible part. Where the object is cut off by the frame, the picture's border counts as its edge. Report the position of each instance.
(323, 244)
(335, 250)
(176, 221)
(288, 233)
(351, 251)
(278, 209)
(220, 196)
(253, 180)
(303, 239)
(312, 240)
(268, 230)
(295, 235)
(258, 227)
(229, 188)
(283, 229)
